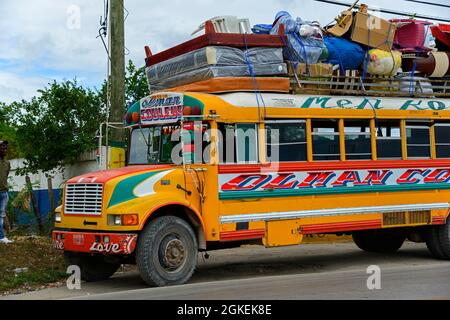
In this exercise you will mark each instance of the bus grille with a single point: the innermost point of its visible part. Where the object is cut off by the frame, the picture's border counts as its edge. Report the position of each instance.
(407, 217)
(83, 199)
(420, 217)
(394, 218)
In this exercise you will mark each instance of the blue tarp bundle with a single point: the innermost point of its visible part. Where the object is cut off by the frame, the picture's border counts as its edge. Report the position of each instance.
(306, 49)
(347, 54)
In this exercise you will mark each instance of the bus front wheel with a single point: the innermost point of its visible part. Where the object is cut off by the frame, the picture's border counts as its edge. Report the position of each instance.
(167, 252)
(438, 240)
(383, 241)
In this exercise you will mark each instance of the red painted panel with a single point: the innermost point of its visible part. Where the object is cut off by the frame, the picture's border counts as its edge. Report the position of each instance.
(242, 235)
(332, 165)
(106, 175)
(119, 243)
(218, 39)
(438, 220)
(340, 226)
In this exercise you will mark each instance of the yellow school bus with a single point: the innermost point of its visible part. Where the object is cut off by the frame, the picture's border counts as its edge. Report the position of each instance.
(211, 171)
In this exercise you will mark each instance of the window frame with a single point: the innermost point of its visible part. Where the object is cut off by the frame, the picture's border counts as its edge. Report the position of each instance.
(221, 159)
(400, 139)
(408, 125)
(288, 121)
(256, 143)
(335, 133)
(436, 144)
(365, 133)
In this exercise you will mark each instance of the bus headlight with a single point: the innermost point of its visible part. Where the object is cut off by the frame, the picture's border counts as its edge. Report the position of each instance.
(123, 219)
(57, 217)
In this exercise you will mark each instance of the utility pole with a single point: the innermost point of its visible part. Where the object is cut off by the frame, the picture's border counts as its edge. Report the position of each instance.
(117, 86)
(117, 53)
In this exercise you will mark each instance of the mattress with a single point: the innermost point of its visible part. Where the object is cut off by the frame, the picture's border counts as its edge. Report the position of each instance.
(233, 84)
(216, 71)
(213, 56)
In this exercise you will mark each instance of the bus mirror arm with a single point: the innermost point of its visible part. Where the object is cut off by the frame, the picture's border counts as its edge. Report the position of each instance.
(181, 188)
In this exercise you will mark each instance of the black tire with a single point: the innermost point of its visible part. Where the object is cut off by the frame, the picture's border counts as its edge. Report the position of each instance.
(438, 241)
(167, 252)
(380, 240)
(92, 267)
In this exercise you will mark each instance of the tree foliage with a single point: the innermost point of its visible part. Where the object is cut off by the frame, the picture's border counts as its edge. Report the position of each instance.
(54, 128)
(136, 86)
(8, 131)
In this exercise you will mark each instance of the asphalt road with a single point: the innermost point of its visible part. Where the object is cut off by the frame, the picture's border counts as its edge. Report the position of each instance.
(314, 271)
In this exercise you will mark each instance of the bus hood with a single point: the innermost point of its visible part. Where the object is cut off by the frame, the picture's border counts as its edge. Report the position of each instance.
(107, 175)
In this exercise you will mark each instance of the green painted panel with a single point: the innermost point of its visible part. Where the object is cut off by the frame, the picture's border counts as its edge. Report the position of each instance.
(124, 189)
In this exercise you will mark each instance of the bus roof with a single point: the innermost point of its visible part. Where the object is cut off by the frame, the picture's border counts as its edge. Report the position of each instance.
(170, 107)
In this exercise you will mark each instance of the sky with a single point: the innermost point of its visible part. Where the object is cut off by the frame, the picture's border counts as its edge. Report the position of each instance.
(46, 40)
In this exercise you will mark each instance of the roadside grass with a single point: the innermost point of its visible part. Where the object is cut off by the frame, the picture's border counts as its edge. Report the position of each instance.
(28, 264)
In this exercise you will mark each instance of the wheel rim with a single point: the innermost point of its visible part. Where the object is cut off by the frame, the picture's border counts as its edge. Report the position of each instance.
(172, 253)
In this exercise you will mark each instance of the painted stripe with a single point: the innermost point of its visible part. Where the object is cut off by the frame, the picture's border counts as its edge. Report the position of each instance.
(340, 226)
(146, 187)
(242, 235)
(331, 165)
(330, 212)
(232, 195)
(123, 191)
(438, 220)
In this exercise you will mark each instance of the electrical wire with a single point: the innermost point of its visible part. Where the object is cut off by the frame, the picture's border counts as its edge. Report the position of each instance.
(388, 11)
(430, 3)
(103, 30)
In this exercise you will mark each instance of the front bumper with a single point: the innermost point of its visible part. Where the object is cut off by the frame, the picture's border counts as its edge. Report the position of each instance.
(95, 242)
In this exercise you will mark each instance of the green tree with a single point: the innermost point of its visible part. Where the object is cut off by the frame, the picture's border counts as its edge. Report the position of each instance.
(7, 130)
(136, 86)
(54, 128)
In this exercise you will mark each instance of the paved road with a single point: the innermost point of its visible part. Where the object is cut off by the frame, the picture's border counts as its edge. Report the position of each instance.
(316, 271)
(411, 282)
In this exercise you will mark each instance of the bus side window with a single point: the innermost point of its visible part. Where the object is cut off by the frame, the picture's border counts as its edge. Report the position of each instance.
(286, 140)
(389, 139)
(246, 143)
(238, 143)
(325, 139)
(358, 145)
(418, 139)
(442, 138)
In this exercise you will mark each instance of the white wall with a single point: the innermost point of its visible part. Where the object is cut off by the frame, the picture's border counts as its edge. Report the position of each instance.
(88, 162)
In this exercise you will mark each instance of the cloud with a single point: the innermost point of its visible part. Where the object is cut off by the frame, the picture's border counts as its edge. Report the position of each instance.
(14, 87)
(44, 39)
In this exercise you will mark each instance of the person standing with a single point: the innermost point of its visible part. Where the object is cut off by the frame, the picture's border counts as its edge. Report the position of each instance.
(4, 172)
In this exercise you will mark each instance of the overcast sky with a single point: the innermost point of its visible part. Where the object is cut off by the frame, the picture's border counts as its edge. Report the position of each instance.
(42, 40)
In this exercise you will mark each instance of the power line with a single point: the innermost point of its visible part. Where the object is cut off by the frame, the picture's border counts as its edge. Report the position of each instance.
(398, 13)
(430, 3)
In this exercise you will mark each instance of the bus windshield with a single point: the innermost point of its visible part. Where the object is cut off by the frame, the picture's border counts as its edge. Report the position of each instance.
(152, 145)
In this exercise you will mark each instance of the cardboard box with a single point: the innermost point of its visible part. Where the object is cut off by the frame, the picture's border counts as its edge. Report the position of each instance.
(365, 29)
(317, 72)
(380, 32)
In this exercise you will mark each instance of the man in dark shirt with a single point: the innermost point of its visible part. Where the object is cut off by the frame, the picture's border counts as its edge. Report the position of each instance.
(4, 172)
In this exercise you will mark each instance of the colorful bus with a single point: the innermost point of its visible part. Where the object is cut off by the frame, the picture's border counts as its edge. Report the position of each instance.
(211, 171)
